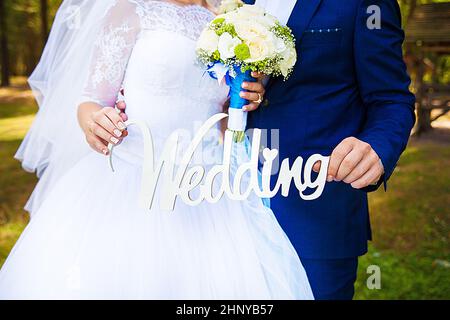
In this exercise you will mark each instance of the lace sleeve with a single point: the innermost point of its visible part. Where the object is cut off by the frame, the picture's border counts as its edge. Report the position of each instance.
(111, 54)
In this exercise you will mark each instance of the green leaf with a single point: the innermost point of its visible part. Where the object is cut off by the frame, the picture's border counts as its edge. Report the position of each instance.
(242, 52)
(216, 55)
(218, 21)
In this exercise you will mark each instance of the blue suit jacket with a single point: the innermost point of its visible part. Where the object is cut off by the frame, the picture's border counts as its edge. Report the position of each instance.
(349, 81)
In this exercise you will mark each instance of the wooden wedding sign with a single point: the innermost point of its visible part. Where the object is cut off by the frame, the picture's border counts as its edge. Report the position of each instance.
(185, 179)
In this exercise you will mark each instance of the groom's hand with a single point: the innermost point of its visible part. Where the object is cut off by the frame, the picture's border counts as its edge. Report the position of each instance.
(255, 92)
(356, 163)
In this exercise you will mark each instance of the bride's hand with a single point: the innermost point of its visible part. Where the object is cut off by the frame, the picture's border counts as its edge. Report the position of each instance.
(101, 126)
(255, 92)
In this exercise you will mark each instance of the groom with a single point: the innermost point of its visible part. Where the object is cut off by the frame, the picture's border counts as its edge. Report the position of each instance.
(348, 97)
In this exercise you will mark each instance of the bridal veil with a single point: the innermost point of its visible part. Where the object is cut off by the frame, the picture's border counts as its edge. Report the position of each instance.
(55, 142)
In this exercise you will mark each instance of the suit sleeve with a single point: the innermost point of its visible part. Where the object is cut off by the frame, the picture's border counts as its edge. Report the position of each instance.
(383, 84)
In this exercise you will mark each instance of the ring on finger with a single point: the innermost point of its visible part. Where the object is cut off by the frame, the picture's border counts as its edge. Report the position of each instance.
(260, 98)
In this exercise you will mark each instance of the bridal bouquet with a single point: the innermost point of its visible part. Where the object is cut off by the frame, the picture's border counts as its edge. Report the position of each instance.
(242, 40)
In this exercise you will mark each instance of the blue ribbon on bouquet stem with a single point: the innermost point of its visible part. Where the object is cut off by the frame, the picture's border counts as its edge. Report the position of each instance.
(237, 120)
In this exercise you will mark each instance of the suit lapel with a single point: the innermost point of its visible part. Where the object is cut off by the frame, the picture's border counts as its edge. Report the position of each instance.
(302, 14)
(280, 9)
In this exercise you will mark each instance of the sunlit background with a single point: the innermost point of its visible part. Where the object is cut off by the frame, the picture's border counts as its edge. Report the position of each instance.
(410, 222)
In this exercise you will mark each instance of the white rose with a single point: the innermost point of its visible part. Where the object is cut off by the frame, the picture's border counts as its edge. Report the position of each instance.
(289, 60)
(230, 5)
(251, 10)
(226, 46)
(279, 44)
(256, 14)
(208, 41)
(267, 20)
(249, 30)
(231, 17)
(260, 50)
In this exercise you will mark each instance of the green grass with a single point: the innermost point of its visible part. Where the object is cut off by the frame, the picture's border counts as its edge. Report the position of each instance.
(407, 275)
(410, 221)
(411, 228)
(17, 110)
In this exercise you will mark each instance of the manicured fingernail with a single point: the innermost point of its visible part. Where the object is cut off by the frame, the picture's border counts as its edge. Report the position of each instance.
(105, 152)
(117, 133)
(245, 85)
(244, 108)
(330, 178)
(242, 94)
(121, 126)
(114, 140)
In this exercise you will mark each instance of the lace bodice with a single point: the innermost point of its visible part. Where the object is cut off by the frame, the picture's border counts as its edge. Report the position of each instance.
(122, 26)
(188, 20)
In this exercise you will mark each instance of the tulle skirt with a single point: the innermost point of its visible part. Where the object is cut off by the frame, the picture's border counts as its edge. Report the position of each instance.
(91, 240)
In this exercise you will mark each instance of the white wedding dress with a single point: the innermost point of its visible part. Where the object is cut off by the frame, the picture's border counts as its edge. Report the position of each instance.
(90, 239)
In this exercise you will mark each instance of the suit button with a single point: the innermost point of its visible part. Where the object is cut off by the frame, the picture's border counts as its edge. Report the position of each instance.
(266, 103)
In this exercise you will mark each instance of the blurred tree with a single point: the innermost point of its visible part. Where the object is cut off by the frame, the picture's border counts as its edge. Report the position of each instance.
(44, 21)
(407, 8)
(4, 45)
(427, 57)
(22, 22)
(27, 23)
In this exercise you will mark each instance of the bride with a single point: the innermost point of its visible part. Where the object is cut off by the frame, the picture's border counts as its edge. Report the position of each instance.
(88, 238)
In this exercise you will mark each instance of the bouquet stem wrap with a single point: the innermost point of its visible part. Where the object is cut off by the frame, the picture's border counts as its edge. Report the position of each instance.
(237, 120)
(224, 48)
